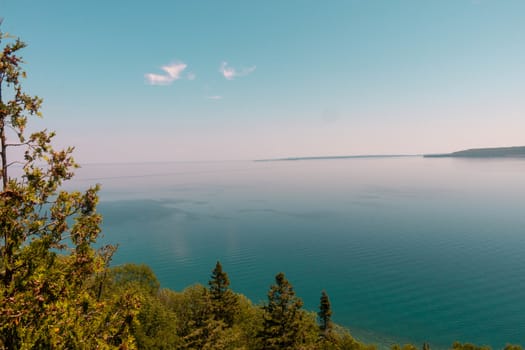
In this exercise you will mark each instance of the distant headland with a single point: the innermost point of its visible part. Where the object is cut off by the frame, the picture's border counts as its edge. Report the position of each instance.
(498, 152)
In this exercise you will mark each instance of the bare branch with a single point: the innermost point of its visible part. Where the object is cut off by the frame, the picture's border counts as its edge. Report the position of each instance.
(13, 163)
(17, 144)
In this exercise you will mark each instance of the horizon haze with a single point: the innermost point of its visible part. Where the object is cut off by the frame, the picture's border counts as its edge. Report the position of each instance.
(180, 81)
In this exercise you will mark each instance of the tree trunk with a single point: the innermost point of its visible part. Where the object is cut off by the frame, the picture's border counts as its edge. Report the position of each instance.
(4, 144)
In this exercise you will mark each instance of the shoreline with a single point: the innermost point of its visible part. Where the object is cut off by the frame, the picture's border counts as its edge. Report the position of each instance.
(385, 342)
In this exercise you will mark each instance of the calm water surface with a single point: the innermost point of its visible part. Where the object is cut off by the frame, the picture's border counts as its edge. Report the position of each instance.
(408, 249)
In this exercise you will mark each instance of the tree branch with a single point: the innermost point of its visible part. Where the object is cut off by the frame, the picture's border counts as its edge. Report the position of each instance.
(13, 163)
(17, 144)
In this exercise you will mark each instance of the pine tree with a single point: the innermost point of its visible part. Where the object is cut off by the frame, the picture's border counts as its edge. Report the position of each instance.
(47, 261)
(325, 315)
(225, 304)
(281, 317)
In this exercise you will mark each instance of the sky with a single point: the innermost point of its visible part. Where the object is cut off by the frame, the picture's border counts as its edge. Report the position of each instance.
(134, 81)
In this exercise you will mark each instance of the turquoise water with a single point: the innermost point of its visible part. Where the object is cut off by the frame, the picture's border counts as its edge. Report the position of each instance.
(408, 249)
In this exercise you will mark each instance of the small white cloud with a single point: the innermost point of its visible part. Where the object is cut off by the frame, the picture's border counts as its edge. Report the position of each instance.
(173, 72)
(156, 79)
(215, 97)
(191, 76)
(229, 72)
(226, 71)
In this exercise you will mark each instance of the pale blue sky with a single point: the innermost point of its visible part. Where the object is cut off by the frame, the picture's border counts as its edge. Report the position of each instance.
(306, 78)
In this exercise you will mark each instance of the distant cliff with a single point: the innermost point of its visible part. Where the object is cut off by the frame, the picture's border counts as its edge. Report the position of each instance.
(484, 153)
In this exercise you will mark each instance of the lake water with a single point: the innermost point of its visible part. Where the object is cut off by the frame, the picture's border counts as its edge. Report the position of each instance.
(408, 249)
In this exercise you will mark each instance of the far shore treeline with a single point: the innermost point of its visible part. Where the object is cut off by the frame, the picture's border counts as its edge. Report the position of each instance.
(497, 152)
(57, 291)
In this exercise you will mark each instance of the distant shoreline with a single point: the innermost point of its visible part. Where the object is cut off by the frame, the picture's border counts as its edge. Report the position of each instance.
(338, 157)
(497, 152)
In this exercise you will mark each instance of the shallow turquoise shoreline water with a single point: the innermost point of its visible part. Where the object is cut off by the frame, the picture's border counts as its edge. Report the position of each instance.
(409, 249)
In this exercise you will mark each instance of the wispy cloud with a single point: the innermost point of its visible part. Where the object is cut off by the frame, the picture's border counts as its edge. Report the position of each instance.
(173, 72)
(214, 97)
(230, 72)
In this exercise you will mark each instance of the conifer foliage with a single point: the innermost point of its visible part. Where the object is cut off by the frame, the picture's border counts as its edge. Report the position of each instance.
(47, 262)
(224, 302)
(325, 315)
(282, 317)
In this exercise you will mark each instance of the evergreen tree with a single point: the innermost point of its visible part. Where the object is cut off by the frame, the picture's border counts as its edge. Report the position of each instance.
(282, 317)
(225, 304)
(325, 315)
(48, 298)
(195, 312)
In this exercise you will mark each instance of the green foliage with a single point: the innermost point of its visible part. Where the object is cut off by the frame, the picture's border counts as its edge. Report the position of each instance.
(512, 347)
(325, 315)
(468, 346)
(224, 302)
(156, 325)
(155, 322)
(282, 318)
(404, 347)
(341, 339)
(48, 264)
(249, 322)
(128, 275)
(194, 307)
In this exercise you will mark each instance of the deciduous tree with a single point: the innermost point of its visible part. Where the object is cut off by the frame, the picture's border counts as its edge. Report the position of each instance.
(468, 346)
